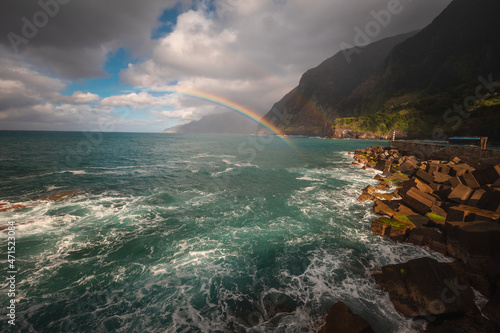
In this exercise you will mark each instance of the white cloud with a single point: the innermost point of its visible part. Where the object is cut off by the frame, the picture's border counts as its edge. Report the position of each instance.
(253, 52)
(249, 52)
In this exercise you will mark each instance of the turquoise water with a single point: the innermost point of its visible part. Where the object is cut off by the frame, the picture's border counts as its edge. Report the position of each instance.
(174, 233)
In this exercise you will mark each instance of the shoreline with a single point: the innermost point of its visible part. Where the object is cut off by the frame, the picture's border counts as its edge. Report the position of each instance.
(451, 208)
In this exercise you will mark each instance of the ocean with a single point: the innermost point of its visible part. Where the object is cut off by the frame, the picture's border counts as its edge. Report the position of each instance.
(190, 233)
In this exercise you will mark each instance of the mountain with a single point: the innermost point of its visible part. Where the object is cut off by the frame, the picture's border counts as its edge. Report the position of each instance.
(425, 86)
(225, 123)
(310, 108)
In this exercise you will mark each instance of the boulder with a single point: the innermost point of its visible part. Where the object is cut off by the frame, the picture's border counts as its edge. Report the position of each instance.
(408, 167)
(391, 228)
(365, 197)
(383, 186)
(415, 182)
(469, 180)
(461, 169)
(476, 196)
(437, 217)
(460, 194)
(424, 176)
(428, 237)
(441, 178)
(490, 200)
(426, 288)
(455, 181)
(418, 200)
(382, 208)
(463, 213)
(384, 196)
(340, 319)
(13, 207)
(493, 174)
(476, 244)
(59, 196)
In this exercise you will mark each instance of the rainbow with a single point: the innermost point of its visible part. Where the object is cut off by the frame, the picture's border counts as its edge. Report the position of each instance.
(250, 114)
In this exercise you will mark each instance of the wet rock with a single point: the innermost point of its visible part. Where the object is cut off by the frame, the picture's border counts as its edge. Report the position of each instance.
(340, 319)
(394, 229)
(13, 207)
(365, 197)
(429, 238)
(426, 288)
(382, 208)
(59, 196)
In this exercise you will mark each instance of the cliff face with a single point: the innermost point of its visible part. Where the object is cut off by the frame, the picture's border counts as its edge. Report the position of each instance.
(410, 83)
(310, 108)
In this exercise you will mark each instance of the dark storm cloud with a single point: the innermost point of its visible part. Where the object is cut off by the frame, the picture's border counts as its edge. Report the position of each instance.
(72, 37)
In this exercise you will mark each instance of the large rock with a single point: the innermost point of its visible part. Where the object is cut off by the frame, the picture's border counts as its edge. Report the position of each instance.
(394, 229)
(426, 177)
(13, 207)
(383, 208)
(429, 238)
(418, 200)
(463, 213)
(490, 200)
(340, 319)
(426, 288)
(469, 180)
(476, 244)
(460, 194)
(59, 196)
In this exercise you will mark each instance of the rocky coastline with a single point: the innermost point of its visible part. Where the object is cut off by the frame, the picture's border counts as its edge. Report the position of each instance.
(451, 207)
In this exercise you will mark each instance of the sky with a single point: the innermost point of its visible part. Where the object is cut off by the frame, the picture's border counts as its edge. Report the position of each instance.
(137, 66)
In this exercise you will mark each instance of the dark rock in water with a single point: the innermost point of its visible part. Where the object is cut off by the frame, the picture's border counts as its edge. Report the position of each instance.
(13, 207)
(340, 319)
(59, 196)
(276, 303)
(427, 288)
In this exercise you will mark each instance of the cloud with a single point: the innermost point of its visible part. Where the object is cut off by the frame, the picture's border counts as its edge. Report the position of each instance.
(249, 52)
(253, 52)
(78, 35)
(78, 97)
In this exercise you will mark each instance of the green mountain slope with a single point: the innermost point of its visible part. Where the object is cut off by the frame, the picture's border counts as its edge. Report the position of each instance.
(310, 108)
